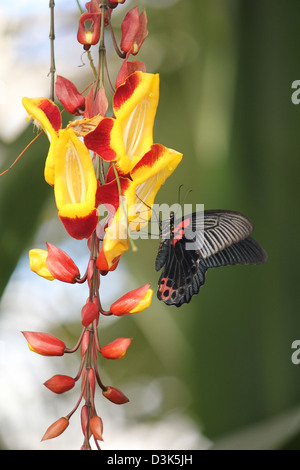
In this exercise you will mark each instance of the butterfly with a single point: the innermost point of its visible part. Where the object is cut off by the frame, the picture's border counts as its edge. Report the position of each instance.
(195, 243)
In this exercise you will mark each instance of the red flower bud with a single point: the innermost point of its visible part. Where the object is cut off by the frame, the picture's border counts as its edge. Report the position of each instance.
(92, 381)
(60, 265)
(102, 263)
(60, 383)
(84, 418)
(134, 31)
(44, 344)
(56, 429)
(117, 349)
(132, 302)
(115, 4)
(89, 313)
(85, 342)
(115, 395)
(96, 426)
(69, 96)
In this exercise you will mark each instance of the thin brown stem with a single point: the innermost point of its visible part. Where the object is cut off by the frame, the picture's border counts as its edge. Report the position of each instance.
(52, 56)
(71, 350)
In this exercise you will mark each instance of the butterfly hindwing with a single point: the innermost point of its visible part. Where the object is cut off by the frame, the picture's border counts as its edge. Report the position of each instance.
(224, 241)
(182, 275)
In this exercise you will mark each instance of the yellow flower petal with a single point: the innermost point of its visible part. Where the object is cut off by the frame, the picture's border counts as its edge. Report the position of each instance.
(147, 177)
(144, 303)
(116, 240)
(75, 185)
(45, 114)
(37, 261)
(135, 103)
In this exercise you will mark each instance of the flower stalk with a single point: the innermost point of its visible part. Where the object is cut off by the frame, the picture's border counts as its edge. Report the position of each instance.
(97, 162)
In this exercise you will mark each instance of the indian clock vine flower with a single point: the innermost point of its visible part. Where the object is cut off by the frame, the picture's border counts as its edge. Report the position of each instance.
(99, 161)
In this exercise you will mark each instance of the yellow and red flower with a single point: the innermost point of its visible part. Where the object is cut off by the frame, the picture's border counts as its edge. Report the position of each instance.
(75, 186)
(142, 166)
(69, 169)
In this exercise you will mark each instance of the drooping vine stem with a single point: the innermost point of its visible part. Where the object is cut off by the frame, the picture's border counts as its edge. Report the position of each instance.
(101, 49)
(52, 56)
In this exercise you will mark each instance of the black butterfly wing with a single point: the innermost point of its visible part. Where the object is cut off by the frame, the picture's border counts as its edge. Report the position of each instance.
(223, 242)
(214, 230)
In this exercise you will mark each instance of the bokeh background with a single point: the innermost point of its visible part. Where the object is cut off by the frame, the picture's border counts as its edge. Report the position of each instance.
(216, 373)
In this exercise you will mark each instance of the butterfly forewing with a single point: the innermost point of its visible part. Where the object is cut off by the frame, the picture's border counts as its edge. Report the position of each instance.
(218, 229)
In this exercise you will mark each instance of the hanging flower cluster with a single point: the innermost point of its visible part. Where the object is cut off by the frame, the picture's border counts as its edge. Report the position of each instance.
(95, 161)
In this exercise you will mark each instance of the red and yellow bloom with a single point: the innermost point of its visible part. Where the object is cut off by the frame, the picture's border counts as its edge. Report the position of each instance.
(69, 169)
(142, 166)
(75, 186)
(127, 136)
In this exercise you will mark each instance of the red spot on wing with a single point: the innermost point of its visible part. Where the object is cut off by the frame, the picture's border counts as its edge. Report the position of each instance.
(164, 290)
(179, 230)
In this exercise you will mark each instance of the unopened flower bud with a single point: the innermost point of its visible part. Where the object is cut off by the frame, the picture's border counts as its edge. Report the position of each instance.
(84, 418)
(60, 265)
(102, 263)
(57, 428)
(89, 313)
(117, 349)
(92, 381)
(115, 395)
(115, 4)
(96, 426)
(44, 344)
(133, 302)
(85, 342)
(60, 383)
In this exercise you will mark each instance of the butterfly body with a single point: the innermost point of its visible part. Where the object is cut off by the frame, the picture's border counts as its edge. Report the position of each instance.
(193, 244)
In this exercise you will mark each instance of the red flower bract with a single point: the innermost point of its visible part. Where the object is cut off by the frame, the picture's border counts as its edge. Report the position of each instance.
(115, 395)
(44, 343)
(117, 349)
(69, 96)
(60, 265)
(60, 383)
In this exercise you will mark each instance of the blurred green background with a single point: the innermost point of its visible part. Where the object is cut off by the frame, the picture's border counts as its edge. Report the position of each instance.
(226, 71)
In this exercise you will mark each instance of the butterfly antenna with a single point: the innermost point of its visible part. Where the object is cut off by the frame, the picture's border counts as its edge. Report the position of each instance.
(179, 189)
(158, 219)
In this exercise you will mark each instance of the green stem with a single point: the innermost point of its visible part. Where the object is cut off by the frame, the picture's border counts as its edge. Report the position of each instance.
(79, 6)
